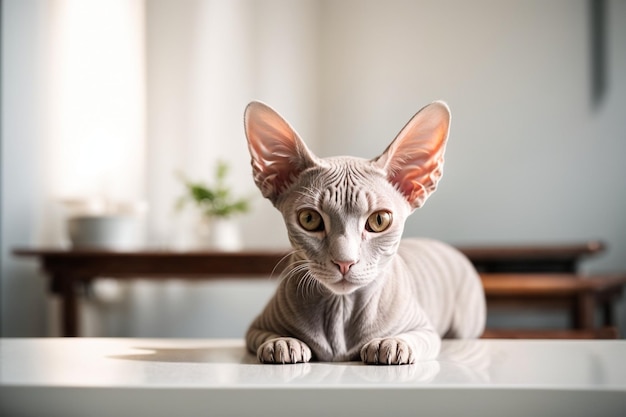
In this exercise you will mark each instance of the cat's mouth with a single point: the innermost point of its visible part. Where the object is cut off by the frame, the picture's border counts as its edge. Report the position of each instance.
(340, 284)
(343, 286)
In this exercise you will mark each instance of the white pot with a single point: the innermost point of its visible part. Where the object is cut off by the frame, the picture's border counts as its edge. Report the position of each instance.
(224, 234)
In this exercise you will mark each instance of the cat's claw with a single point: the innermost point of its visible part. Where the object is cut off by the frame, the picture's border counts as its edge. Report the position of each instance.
(388, 351)
(284, 350)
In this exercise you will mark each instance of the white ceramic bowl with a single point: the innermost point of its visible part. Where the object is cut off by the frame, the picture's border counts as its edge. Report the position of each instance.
(104, 232)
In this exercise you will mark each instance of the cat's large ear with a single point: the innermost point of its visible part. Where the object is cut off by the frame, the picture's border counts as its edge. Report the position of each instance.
(278, 154)
(414, 160)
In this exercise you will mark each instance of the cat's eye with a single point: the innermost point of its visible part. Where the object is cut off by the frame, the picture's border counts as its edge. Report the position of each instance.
(310, 220)
(378, 222)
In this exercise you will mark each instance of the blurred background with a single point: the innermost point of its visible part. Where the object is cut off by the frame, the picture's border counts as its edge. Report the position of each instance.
(107, 100)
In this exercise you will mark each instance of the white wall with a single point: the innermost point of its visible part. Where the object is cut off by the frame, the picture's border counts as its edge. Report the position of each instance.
(22, 296)
(529, 159)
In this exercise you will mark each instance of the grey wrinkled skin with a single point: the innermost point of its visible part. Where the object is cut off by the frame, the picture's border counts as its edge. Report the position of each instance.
(398, 297)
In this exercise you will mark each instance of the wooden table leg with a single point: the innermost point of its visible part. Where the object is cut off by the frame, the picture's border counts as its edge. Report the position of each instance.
(70, 319)
(608, 314)
(585, 311)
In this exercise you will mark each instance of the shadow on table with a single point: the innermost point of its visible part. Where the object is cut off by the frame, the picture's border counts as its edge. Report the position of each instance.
(212, 354)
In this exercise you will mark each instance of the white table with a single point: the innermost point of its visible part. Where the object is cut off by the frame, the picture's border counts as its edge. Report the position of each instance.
(172, 377)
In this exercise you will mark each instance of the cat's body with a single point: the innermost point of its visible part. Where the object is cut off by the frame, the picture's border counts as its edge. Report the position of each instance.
(427, 286)
(351, 288)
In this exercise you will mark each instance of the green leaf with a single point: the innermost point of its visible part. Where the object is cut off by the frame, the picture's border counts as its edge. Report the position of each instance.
(213, 200)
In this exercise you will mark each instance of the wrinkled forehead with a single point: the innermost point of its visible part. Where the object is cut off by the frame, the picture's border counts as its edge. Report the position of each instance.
(346, 185)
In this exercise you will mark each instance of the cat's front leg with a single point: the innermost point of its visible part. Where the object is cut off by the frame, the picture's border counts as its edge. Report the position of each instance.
(406, 348)
(284, 350)
(272, 348)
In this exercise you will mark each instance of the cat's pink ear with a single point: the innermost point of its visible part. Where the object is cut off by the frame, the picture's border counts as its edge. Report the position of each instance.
(414, 160)
(278, 153)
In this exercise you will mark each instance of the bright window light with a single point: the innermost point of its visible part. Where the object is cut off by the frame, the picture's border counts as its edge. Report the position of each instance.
(97, 100)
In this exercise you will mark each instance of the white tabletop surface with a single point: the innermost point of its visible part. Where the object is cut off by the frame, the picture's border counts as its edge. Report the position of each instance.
(174, 377)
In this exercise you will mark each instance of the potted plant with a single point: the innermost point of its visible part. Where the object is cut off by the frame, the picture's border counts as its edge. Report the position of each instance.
(217, 207)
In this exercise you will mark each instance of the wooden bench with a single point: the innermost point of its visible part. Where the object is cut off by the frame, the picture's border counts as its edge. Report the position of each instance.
(582, 297)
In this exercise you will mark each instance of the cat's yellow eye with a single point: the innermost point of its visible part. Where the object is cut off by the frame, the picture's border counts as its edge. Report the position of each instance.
(378, 222)
(310, 220)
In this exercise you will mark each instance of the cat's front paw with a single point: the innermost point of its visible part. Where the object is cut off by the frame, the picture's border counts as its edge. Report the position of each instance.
(387, 351)
(284, 350)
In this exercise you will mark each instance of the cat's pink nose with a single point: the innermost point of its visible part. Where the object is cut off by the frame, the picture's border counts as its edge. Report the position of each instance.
(344, 266)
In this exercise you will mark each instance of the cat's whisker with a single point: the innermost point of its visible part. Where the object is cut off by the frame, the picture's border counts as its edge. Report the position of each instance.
(289, 267)
(283, 259)
(303, 283)
(309, 284)
(295, 269)
(301, 269)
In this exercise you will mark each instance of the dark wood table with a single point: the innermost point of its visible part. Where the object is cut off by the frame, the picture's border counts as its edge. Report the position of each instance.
(532, 258)
(69, 270)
